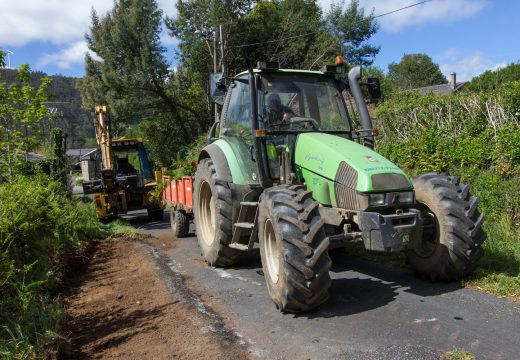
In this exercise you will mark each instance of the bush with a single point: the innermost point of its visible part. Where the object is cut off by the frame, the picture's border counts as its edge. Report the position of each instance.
(183, 165)
(476, 136)
(441, 132)
(40, 225)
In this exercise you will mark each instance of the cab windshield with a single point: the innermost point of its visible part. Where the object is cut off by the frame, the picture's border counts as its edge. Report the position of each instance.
(298, 102)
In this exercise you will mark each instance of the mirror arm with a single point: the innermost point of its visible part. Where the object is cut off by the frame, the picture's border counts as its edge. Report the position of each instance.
(212, 130)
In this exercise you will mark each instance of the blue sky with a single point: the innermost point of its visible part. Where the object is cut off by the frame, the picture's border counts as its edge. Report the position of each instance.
(462, 36)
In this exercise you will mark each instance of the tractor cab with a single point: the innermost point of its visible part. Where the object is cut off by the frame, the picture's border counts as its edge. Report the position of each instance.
(285, 103)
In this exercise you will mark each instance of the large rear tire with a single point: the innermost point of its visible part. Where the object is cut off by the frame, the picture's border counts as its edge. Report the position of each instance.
(213, 213)
(180, 223)
(452, 228)
(293, 248)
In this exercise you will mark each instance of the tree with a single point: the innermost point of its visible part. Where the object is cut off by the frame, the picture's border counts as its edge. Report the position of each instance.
(415, 70)
(130, 74)
(494, 79)
(22, 110)
(352, 28)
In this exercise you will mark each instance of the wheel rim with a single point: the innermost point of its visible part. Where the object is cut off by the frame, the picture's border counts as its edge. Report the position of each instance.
(206, 213)
(430, 234)
(272, 252)
(173, 221)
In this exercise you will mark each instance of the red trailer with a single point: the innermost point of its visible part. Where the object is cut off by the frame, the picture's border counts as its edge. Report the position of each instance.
(178, 196)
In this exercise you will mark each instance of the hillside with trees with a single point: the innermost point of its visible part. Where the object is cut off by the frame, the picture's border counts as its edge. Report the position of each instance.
(64, 103)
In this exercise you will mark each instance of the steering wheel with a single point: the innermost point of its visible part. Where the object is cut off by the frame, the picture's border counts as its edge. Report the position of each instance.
(304, 120)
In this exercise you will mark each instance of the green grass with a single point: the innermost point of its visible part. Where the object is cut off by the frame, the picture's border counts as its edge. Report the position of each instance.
(120, 227)
(41, 226)
(459, 354)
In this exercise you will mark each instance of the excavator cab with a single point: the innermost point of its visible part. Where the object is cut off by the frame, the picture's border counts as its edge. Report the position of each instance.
(124, 177)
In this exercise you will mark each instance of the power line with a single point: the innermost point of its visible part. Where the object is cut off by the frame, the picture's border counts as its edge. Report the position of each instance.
(403, 8)
(273, 41)
(315, 32)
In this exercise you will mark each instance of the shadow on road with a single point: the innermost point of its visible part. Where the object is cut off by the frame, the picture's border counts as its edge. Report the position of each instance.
(401, 278)
(140, 220)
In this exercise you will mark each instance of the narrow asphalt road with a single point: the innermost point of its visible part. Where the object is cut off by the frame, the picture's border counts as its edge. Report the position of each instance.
(373, 311)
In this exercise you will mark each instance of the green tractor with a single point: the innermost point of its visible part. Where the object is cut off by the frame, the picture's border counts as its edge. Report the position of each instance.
(288, 170)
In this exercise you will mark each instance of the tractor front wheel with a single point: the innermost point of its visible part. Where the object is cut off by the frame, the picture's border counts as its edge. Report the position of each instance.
(212, 209)
(452, 228)
(293, 248)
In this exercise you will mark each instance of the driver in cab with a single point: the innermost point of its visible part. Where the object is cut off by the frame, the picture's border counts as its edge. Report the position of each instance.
(277, 113)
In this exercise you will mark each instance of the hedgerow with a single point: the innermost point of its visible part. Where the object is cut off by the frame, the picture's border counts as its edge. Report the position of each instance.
(41, 226)
(475, 135)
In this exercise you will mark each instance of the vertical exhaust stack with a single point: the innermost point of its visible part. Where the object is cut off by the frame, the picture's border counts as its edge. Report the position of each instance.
(354, 75)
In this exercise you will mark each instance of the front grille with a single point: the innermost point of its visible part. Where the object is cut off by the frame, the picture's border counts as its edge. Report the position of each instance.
(345, 185)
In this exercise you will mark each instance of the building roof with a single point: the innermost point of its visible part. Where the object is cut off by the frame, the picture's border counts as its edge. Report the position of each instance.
(441, 89)
(86, 156)
(79, 152)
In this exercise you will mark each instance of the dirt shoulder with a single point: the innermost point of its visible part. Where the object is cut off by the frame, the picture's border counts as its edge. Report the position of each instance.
(118, 307)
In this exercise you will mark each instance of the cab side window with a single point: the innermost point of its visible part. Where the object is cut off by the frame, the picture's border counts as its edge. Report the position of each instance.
(238, 120)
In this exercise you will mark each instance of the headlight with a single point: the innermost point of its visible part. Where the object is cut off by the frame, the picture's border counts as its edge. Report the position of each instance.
(376, 199)
(406, 197)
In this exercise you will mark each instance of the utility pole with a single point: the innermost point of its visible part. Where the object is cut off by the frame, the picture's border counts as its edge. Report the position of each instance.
(215, 66)
(221, 48)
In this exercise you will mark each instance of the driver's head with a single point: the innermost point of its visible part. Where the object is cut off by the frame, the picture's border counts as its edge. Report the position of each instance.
(274, 102)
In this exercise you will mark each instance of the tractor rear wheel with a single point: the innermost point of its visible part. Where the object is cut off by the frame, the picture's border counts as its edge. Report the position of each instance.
(293, 248)
(452, 228)
(180, 223)
(212, 209)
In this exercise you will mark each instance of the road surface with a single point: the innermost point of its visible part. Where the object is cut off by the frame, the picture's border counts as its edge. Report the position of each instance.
(373, 311)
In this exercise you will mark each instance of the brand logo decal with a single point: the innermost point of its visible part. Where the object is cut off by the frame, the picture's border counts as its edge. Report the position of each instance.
(371, 158)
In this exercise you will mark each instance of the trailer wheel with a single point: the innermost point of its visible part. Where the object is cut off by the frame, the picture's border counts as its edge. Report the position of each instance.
(293, 248)
(155, 214)
(180, 223)
(212, 209)
(452, 228)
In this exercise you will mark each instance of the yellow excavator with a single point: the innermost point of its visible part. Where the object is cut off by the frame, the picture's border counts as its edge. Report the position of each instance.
(124, 178)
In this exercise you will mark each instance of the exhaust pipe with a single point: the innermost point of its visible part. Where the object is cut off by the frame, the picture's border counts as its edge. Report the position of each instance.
(354, 75)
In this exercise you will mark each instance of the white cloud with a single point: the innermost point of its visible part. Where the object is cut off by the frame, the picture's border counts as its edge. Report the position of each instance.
(466, 66)
(56, 21)
(74, 54)
(436, 11)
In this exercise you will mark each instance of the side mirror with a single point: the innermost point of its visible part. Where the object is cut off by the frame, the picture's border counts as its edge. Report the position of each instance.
(217, 87)
(374, 88)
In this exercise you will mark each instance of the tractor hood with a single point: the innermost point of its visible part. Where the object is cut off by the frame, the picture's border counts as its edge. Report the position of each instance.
(346, 162)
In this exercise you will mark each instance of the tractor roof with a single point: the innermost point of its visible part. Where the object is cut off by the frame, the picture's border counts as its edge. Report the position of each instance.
(286, 71)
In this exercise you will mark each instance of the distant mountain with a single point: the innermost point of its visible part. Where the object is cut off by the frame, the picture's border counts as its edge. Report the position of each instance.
(66, 100)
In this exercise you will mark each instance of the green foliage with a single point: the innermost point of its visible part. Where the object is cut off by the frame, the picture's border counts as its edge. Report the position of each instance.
(352, 28)
(183, 164)
(64, 103)
(22, 111)
(131, 76)
(494, 79)
(436, 133)
(415, 70)
(476, 136)
(40, 227)
(459, 354)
